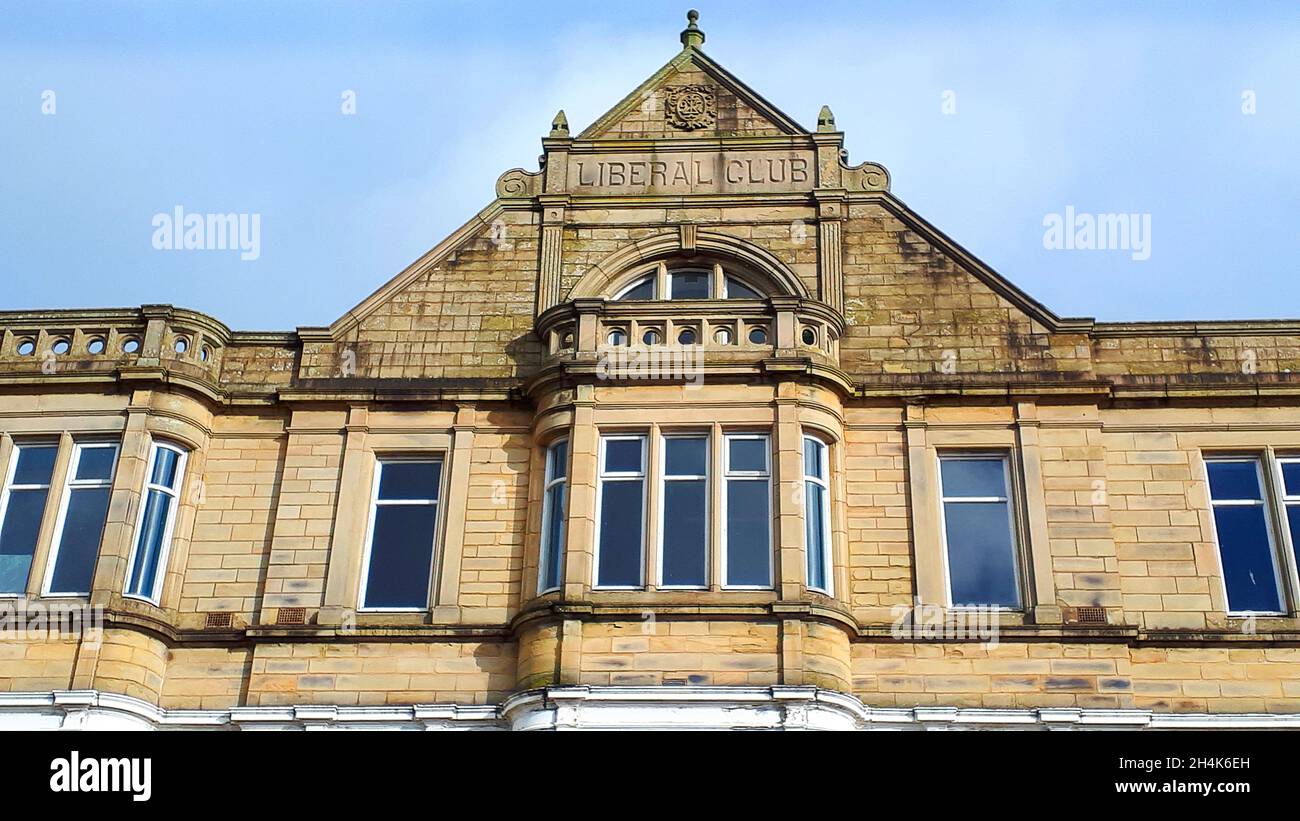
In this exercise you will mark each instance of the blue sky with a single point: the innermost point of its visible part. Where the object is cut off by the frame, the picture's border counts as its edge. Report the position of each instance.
(235, 107)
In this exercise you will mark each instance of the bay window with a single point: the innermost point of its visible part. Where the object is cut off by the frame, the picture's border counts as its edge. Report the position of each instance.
(747, 522)
(153, 532)
(550, 572)
(82, 514)
(22, 506)
(817, 530)
(684, 532)
(621, 542)
(666, 487)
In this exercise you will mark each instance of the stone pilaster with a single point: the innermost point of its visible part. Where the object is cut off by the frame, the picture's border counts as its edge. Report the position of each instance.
(1042, 599)
(552, 252)
(831, 208)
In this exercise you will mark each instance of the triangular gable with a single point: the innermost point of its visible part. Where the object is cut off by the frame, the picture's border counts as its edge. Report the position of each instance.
(999, 284)
(691, 96)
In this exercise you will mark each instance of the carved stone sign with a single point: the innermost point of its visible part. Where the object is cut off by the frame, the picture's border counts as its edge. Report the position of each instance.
(690, 107)
(691, 172)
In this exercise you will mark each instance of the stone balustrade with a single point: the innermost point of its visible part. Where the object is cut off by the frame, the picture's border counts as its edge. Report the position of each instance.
(86, 342)
(723, 330)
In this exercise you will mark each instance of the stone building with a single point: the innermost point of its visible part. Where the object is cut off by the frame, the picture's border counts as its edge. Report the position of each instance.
(696, 425)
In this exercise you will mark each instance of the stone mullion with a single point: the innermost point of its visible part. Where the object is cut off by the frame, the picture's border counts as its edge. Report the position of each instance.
(717, 487)
(124, 503)
(788, 480)
(579, 553)
(49, 519)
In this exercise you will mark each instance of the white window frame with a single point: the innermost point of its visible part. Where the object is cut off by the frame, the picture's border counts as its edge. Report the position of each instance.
(725, 292)
(825, 485)
(663, 479)
(604, 476)
(551, 480)
(1018, 554)
(12, 471)
(1263, 501)
(375, 503)
(727, 475)
(635, 283)
(70, 484)
(164, 554)
(1285, 502)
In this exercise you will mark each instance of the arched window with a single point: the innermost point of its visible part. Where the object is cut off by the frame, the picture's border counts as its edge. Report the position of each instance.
(681, 280)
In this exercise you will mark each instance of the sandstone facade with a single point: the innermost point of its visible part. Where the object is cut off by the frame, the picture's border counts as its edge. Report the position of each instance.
(869, 329)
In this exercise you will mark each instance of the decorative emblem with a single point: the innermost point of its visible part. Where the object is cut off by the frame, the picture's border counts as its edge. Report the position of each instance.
(691, 107)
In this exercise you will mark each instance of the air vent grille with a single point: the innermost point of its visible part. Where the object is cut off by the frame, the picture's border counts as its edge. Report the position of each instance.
(291, 615)
(219, 621)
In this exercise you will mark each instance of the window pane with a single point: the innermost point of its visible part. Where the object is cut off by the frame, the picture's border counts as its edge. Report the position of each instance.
(149, 544)
(644, 290)
(401, 556)
(18, 533)
(1233, 480)
(815, 536)
(164, 467)
(96, 463)
(1246, 553)
(553, 552)
(748, 532)
(690, 285)
(1291, 478)
(981, 557)
(83, 525)
(35, 464)
(812, 457)
(739, 290)
(973, 477)
(623, 455)
(685, 532)
(559, 460)
(409, 480)
(747, 455)
(620, 534)
(685, 456)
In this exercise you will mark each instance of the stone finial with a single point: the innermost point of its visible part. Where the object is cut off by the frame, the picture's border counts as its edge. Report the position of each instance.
(825, 119)
(560, 125)
(692, 37)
